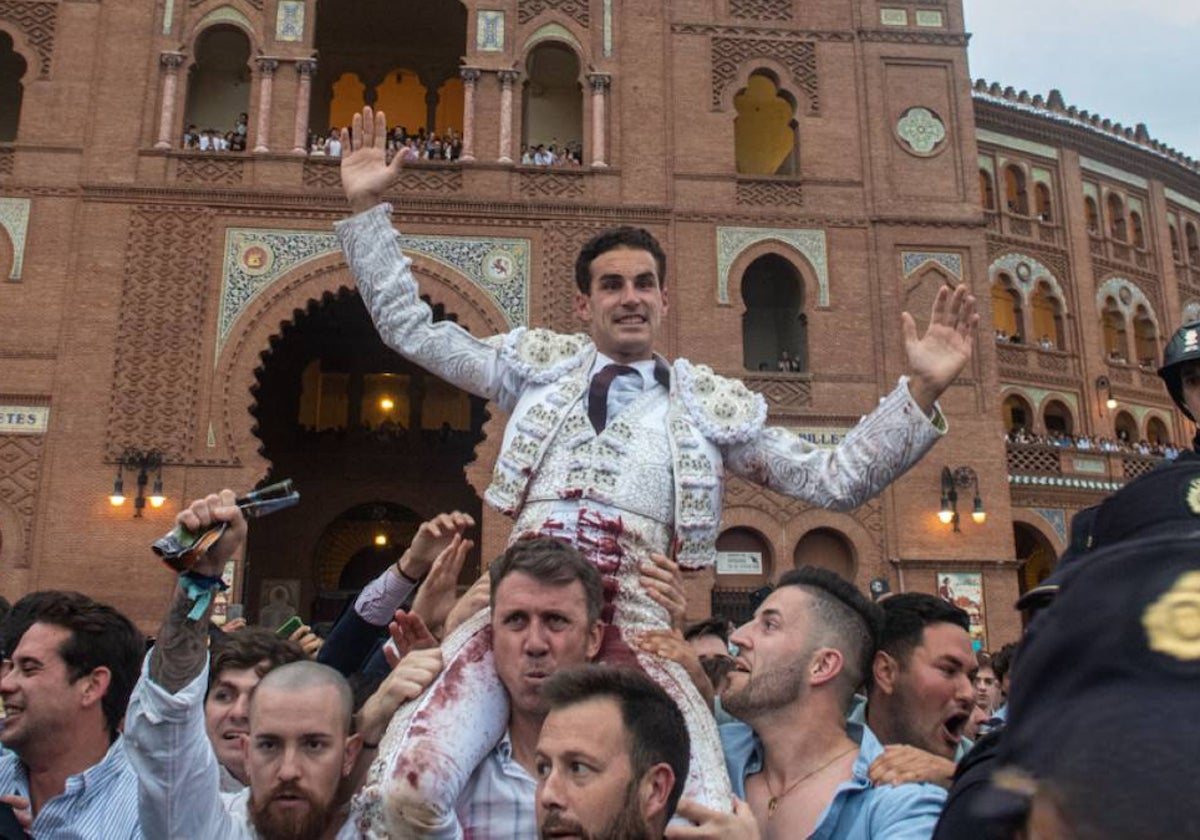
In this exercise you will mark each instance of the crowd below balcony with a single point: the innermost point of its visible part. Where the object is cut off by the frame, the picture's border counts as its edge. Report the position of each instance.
(1122, 443)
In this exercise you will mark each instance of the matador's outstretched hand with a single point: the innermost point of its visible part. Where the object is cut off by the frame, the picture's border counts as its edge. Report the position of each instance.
(366, 173)
(936, 358)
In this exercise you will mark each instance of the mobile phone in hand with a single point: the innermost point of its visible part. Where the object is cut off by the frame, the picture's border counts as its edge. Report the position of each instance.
(285, 630)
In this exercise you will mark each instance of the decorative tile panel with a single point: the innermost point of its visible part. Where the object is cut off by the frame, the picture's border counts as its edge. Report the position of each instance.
(1057, 518)
(14, 218)
(257, 258)
(289, 21)
(922, 130)
(732, 241)
(489, 31)
(893, 17)
(929, 17)
(915, 260)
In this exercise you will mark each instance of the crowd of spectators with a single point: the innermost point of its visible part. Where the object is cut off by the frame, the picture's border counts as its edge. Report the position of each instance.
(1084, 443)
(552, 154)
(215, 140)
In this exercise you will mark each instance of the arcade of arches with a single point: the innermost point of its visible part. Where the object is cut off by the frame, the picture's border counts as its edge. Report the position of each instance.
(361, 431)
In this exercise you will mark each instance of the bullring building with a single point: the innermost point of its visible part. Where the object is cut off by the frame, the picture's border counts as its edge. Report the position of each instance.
(176, 316)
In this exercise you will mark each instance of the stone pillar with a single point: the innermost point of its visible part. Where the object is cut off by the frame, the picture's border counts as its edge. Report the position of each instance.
(600, 85)
(169, 64)
(470, 77)
(307, 68)
(507, 77)
(431, 105)
(266, 83)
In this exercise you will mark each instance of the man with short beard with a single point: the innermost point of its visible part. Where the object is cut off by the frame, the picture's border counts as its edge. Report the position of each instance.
(612, 756)
(299, 745)
(793, 758)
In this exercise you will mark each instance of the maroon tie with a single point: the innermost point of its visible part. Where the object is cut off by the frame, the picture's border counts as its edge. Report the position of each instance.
(598, 394)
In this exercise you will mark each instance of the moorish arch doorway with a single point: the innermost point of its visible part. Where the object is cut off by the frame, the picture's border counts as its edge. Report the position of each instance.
(1036, 557)
(373, 443)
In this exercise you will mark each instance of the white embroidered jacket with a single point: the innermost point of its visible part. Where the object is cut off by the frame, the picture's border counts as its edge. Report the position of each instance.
(713, 423)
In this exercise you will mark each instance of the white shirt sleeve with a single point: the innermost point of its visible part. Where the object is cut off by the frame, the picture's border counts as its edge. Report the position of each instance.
(179, 787)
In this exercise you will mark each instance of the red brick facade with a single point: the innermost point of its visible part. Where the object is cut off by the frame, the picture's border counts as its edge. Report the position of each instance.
(144, 317)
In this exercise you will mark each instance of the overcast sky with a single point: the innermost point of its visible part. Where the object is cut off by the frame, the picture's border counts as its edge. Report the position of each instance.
(1131, 60)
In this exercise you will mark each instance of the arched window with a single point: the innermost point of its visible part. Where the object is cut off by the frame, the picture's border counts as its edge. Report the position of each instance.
(1193, 244)
(764, 131)
(1017, 414)
(1116, 343)
(826, 548)
(1125, 427)
(12, 70)
(1045, 210)
(1006, 309)
(1176, 253)
(986, 190)
(774, 326)
(750, 542)
(1093, 215)
(1116, 217)
(1057, 418)
(219, 84)
(1015, 194)
(1047, 318)
(1157, 433)
(1145, 337)
(552, 96)
(401, 95)
(1139, 233)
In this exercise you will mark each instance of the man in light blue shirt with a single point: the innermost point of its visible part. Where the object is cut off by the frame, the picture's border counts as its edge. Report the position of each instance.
(69, 667)
(793, 758)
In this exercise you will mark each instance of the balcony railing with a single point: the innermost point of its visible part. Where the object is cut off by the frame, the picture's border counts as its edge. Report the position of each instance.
(1041, 465)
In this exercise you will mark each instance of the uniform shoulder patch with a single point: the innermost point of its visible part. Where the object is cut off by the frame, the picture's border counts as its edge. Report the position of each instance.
(543, 355)
(724, 409)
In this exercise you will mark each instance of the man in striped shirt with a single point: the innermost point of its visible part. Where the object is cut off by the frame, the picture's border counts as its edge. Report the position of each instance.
(69, 667)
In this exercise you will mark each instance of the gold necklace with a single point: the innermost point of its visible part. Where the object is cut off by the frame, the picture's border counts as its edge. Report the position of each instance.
(773, 802)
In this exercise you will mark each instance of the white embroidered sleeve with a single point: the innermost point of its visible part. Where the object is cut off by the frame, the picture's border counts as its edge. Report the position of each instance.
(405, 322)
(881, 448)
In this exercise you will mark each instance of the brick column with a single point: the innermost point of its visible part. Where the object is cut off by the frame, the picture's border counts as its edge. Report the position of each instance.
(307, 68)
(169, 64)
(266, 84)
(507, 77)
(600, 85)
(470, 77)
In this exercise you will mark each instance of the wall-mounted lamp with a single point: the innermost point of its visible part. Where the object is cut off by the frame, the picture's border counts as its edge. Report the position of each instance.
(952, 480)
(145, 462)
(1104, 387)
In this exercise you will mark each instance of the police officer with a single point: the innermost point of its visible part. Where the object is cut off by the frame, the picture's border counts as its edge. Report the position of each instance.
(1181, 372)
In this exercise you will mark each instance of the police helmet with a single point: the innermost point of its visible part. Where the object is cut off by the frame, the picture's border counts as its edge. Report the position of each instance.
(1184, 346)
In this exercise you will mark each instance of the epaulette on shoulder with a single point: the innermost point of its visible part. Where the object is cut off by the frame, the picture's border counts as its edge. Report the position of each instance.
(724, 409)
(543, 355)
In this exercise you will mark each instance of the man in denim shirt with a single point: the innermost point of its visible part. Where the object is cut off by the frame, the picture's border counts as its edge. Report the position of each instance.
(793, 758)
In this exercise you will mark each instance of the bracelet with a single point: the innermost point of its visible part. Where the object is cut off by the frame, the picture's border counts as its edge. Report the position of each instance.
(199, 590)
(404, 577)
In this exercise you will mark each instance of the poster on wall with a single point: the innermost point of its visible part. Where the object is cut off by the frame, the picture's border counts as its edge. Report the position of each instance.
(965, 591)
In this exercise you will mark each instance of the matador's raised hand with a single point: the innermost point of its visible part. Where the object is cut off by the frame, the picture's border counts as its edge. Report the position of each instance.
(366, 174)
(936, 358)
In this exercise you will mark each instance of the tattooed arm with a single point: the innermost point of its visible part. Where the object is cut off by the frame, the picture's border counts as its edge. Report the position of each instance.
(181, 651)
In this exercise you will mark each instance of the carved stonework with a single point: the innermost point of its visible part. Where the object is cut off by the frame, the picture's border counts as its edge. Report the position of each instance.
(1012, 357)
(158, 348)
(201, 169)
(555, 287)
(1054, 362)
(322, 174)
(768, 193)
(20, 468)
(732, 241)
(730, 55)
(6, 162)
(416, 179)
(577, 10)
(784, 392)
(761, 9)
(551, 185)
(257, 4)
(36, 20)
